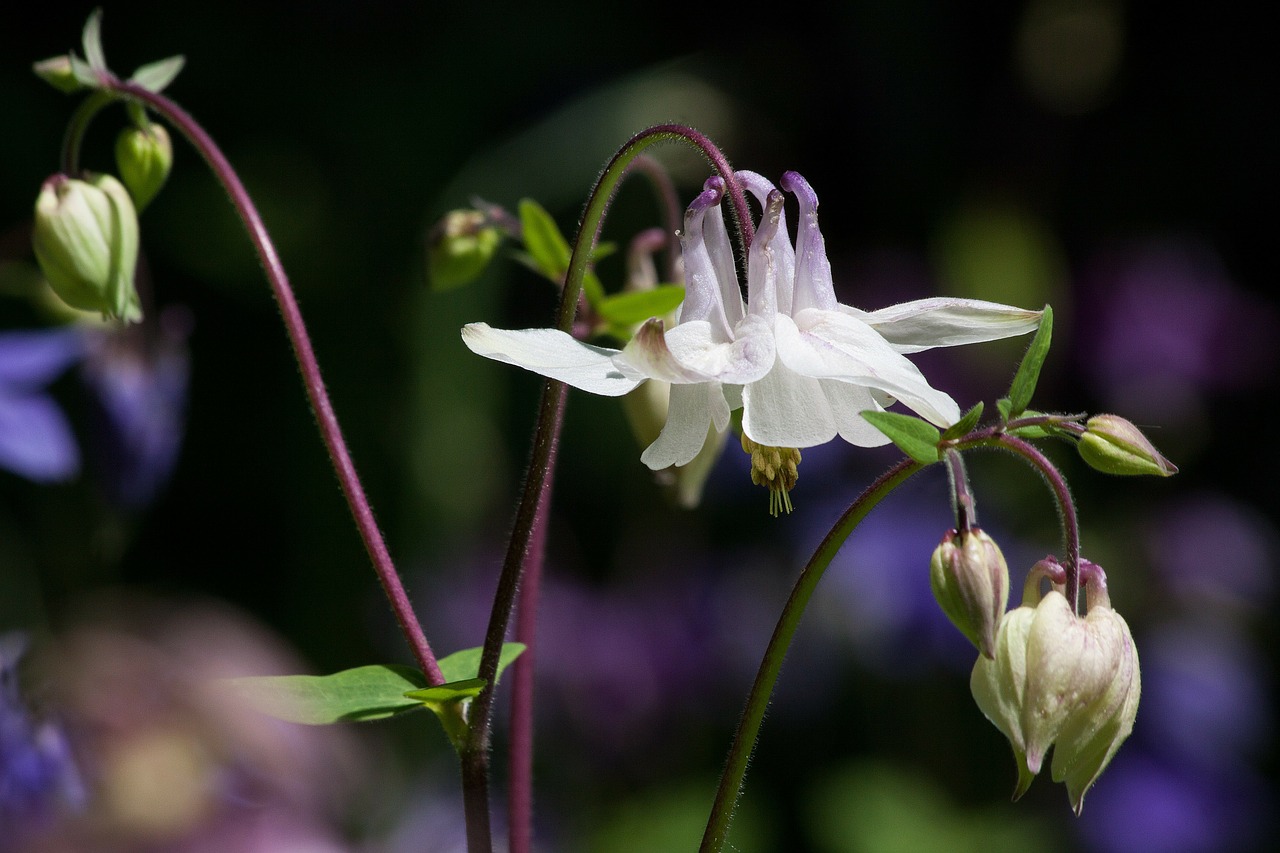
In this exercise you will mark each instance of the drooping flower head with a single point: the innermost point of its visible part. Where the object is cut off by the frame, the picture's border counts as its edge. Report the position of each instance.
(800, 365)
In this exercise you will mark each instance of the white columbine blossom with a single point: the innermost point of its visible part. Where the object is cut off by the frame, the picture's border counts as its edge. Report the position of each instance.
(800, 365)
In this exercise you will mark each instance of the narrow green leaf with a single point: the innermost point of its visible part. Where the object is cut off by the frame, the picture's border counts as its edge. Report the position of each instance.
(967, 422)
(542, 238)
(636, 306)
(1003, 406)
(1024, 381)
(363, 693)
(91, 41)
(914, 437)
(465, 664)
(155, 76)
(450, 692)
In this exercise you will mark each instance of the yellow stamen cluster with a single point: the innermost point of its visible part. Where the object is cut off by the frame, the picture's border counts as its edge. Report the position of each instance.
(775, 469)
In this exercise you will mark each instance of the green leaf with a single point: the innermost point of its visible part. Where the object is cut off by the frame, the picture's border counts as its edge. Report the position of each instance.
(1024, 381)
(155, 76)
(363, 693)
(636, 306)
(549, 250)
(91, 41)
(465, 664)
(967, 422)
(451, 692)
(914, 437)
(543, 240)
(366, 692)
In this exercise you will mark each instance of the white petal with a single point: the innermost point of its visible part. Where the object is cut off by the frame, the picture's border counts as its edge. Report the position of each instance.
(833, 345)
(947, 322)
(693, 411)
(747, 358)
(647, 353)
(847, 402)
(720, 251)
(554, 354)
(763, 262)
(813, 286)
(785, 409)
(701, 241)
(784, 254)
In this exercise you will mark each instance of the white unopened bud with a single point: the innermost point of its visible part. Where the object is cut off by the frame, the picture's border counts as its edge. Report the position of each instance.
(970, 580)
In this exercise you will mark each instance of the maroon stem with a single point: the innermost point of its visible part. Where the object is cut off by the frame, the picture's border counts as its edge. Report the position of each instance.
(1066, 506)
(327, 421)
(521, 547)
(520, 796)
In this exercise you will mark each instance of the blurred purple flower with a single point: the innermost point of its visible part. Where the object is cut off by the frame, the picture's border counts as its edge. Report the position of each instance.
(137, 379)
(1212, 549)
(1143, 804)
(38, 776)
(35, 438)
(1204, 700)
(1163, 323)
(139, 386)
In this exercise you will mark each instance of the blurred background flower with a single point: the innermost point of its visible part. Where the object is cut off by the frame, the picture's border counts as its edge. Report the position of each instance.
(1103, 156)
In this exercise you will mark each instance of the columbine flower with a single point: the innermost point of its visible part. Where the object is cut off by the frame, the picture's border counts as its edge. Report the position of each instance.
(800, 365)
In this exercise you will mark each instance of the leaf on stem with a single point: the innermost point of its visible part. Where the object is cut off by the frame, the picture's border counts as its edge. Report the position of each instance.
(913, 436)
(155, 76)
(91, 41)
(636, 306)
(1024, 381)
(550, 251)
(965, 425)
(366, 692)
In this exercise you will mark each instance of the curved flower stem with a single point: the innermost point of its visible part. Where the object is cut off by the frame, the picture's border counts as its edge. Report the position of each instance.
(744, 739)
(326, 420)
(76, 128)
(475, 755)
(1066, 508)
(998, 436)
(665, 189)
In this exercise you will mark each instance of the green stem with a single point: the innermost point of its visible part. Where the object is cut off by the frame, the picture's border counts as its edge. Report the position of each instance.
(78, 126)
(744, 740)
(475, 755)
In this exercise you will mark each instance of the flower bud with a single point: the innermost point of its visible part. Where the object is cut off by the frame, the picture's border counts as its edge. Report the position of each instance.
(86, 240)
(459, 248)
(970, 580)
(999, 685)
(1115, 446)
(1090, 738)
(58, 72)
(143, 158)
(1069, 666)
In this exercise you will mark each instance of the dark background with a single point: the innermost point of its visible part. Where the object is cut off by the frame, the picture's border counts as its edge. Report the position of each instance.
(1017, 152)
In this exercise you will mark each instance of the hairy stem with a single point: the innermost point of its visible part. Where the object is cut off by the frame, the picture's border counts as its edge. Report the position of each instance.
(744, 739)
(476, 754)
(1066, 509)
(326, 419)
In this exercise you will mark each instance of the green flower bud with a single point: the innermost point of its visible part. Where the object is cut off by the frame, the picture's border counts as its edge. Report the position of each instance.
(86, 240)
(1115, 446)
(58, 73)
(144, 158)
(970, 580)
(1091, 737)
(459, 248)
